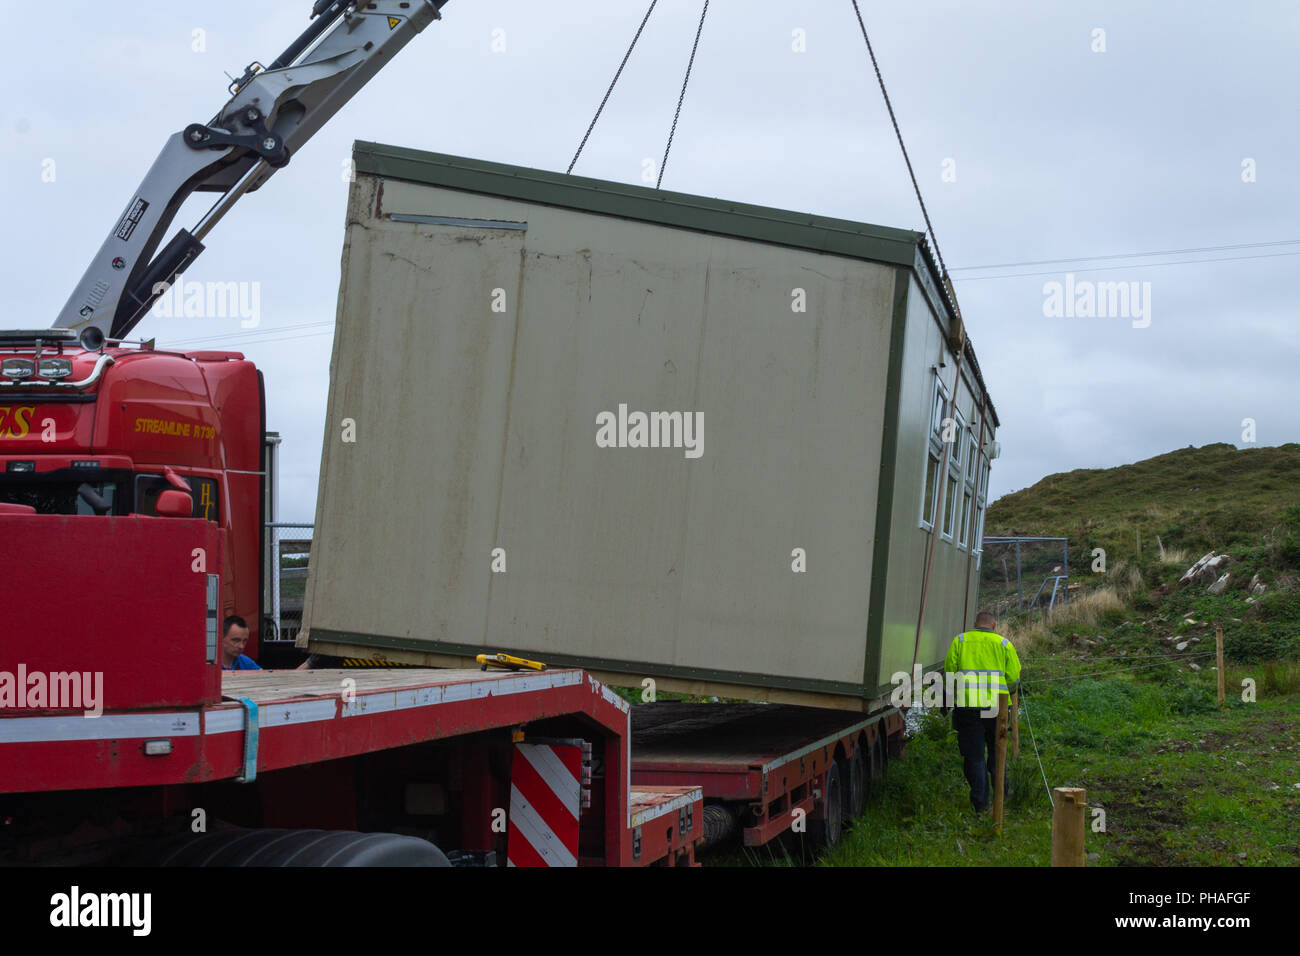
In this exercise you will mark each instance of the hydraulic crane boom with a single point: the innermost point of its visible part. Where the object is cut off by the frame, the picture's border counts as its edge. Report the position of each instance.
(272, 111)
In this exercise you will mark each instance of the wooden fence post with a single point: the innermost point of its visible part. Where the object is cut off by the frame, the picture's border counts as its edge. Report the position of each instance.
(1070, 804)
(1000, 763)
(1218, 649)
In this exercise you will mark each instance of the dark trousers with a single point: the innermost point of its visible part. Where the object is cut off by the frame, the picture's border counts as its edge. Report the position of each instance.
(977, 740)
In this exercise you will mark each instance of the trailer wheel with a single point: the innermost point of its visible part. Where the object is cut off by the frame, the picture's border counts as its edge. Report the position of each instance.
(830, 826)
(877, 763)
(859, 788)
(279, 847)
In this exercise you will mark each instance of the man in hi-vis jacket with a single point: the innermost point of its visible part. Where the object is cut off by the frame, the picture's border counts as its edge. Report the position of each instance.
(984, 665)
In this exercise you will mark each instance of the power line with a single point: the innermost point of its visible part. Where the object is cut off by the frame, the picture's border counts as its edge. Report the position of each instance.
(1129, 255)
(289, 338)
(1140, 265)
(248, 333)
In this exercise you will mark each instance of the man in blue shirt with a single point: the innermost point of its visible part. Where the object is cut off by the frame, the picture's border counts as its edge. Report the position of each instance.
(234, 638)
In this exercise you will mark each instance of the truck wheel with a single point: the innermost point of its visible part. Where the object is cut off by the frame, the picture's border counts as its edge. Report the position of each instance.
(877, 763)
(827, 829)
(278, 847)
(859, 788)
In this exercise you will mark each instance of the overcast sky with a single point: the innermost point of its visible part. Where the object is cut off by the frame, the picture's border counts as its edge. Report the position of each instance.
(1059, 150)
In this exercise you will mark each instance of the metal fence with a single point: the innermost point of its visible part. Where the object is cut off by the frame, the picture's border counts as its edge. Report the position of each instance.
(1025, 572)
(288, 550)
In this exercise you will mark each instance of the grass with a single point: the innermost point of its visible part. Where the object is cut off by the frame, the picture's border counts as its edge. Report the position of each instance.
(1084, 612)
(1179, 782)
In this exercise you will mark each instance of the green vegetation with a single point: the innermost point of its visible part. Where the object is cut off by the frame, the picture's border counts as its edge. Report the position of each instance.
(1194, 499)
(1120, 687)
(1180, 782)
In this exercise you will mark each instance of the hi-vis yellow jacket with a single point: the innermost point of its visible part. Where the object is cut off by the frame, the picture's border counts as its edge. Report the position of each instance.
(985, 664)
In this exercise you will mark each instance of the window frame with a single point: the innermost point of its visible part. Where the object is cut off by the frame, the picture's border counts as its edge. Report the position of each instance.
(939, 398)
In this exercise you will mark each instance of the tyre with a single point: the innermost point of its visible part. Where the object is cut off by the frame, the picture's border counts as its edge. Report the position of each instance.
(829, 827)
(859, 789)
(279, 847)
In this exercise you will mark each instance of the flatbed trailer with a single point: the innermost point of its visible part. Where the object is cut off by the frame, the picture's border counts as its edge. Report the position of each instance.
(318, 733)
(295, 748)
(766, 768)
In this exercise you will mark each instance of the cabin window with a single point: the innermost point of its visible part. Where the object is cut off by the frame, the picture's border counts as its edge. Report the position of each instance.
(203, 492)
(61, 493)
(949, 509)
(934, 459)
(981, 502)
(939, 409)
(931, 490)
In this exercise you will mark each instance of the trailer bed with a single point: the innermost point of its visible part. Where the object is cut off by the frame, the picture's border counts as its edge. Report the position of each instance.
(302, 717)
(769, 758)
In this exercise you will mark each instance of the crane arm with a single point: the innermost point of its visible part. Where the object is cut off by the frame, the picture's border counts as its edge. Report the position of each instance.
(272, 112)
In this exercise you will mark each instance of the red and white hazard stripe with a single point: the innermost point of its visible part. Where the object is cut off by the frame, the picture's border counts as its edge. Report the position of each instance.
(545, 795)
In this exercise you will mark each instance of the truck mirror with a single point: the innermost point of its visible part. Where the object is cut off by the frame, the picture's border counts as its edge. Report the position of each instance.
(174, 504)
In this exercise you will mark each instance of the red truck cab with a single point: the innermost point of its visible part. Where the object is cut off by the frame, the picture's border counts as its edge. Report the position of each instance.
(92, 432)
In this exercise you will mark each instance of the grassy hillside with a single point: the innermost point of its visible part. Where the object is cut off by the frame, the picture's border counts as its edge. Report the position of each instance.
(1194, 499)
(1154, 519)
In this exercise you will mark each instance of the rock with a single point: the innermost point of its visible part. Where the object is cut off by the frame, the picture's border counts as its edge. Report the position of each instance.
(1094, 857)
(1241, 856)
(1190, 574)
(1180, 646)
(1250, 600)
(1194, 666)
(1218, 586)
(1253, 581)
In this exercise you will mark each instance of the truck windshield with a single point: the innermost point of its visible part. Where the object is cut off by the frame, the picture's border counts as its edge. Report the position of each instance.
(60, 496)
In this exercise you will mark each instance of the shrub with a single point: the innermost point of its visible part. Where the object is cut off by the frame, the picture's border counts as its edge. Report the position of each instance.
(1280, 678)
(934, 727)
(1195, 699)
